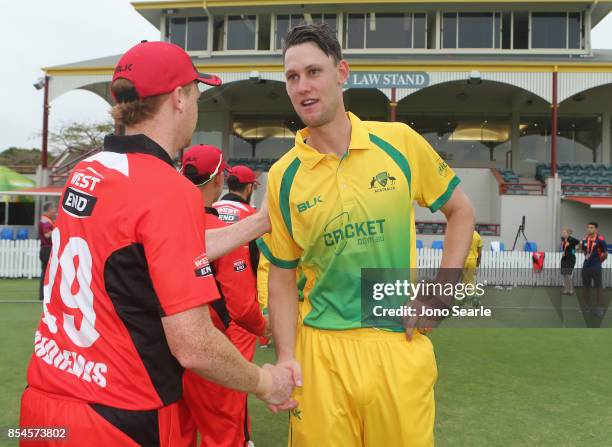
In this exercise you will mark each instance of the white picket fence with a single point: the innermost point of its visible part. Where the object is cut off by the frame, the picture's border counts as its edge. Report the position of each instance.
(19, 259)
(515, 268)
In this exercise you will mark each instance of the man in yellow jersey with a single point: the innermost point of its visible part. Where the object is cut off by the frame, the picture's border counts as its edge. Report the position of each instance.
(472, 262)
(341, 200)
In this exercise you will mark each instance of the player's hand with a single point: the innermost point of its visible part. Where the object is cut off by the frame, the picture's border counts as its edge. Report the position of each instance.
(294, 367)
(416, 323)
(277, 387)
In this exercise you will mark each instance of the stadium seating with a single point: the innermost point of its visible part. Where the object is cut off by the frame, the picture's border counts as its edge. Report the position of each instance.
(437, 245)
(509, 175)
(22, 234)
(419, 243)
(589, 174)
(7, 234)
(513, 186)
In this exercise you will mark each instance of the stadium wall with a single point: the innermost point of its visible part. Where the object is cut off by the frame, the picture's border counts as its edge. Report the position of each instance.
(481, 187)
(537, 222)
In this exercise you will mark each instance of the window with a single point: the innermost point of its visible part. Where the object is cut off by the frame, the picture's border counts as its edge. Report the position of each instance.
(190, 33)
(263, 35)
(506, 30)
(556, 30)
(471, 30)
(520, 31)
(548, 30)
(578, 138)
(284, 22)
(385, 30)
(574, 30)
(466, 139)
(241, 32)
(389, 31)
(449, 30)
(265, 136)
(219, 33)
(355, 31)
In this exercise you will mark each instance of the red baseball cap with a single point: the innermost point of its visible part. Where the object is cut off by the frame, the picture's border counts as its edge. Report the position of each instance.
(156, 68)
(244, 174)
(205, 158)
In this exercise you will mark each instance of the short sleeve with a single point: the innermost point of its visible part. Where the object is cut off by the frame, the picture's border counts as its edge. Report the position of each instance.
(436, 181)
(603, 246)
(279, 247)
(172, 234)
(262, 280)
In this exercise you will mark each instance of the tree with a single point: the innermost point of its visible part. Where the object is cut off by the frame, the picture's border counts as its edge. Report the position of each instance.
(79, 135)
(17, 156)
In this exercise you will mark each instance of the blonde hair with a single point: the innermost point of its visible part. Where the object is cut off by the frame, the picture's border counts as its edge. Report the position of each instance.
(568, 230)
(130, 109)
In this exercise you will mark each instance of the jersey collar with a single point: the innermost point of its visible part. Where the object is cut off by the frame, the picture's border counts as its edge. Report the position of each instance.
(135, 144)
(234, 198)
(360, 139)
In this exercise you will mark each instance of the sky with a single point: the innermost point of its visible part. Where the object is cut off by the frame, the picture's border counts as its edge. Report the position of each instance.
(66, 31)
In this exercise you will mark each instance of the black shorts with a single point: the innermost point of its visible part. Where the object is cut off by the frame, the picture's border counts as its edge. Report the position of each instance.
(567, 264)
(591, 275)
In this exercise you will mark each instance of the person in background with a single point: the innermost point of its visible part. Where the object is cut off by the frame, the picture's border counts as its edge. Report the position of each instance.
(45, 228)
(595, 253)
(234, 207)
(472, 262)
(568, 260)
(220, 413)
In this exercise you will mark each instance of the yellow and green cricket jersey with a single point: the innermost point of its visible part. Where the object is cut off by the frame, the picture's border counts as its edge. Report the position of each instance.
(472, 256)
(333, 216)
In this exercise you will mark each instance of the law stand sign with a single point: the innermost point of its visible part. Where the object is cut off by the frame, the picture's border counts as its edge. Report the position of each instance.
(387, 79)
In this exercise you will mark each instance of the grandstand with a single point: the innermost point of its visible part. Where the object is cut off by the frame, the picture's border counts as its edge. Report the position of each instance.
(501, 90)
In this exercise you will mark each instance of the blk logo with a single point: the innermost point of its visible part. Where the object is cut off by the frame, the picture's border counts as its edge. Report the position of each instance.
(122, 68)
(309, 204)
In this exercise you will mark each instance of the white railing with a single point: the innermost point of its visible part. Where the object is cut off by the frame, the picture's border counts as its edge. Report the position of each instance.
(19, 259)
(515, 268)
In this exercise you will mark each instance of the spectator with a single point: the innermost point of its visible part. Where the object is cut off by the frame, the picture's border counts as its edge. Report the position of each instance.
(568, 260)
(472, 262)
(595, 252)
(45, 227)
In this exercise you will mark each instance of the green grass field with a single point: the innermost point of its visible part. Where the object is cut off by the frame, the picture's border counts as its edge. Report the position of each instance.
(496, 387)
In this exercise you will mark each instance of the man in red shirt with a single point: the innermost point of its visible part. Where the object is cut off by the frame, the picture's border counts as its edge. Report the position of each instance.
(236, 206)
(45, 227)
(220, 413)
(129, 283)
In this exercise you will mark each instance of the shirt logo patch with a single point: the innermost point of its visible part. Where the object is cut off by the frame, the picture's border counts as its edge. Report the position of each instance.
(442, 168)
(202, 266)
(78, 204)
(301, 207)
(383, 181)
(239, 265)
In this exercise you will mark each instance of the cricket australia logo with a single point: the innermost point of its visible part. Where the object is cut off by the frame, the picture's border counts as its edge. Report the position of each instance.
(382, 181)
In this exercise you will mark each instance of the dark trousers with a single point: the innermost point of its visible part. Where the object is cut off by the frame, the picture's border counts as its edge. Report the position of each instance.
(45, 254)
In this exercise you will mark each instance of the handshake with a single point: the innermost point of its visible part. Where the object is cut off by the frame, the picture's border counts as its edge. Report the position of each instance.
(276, 383)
